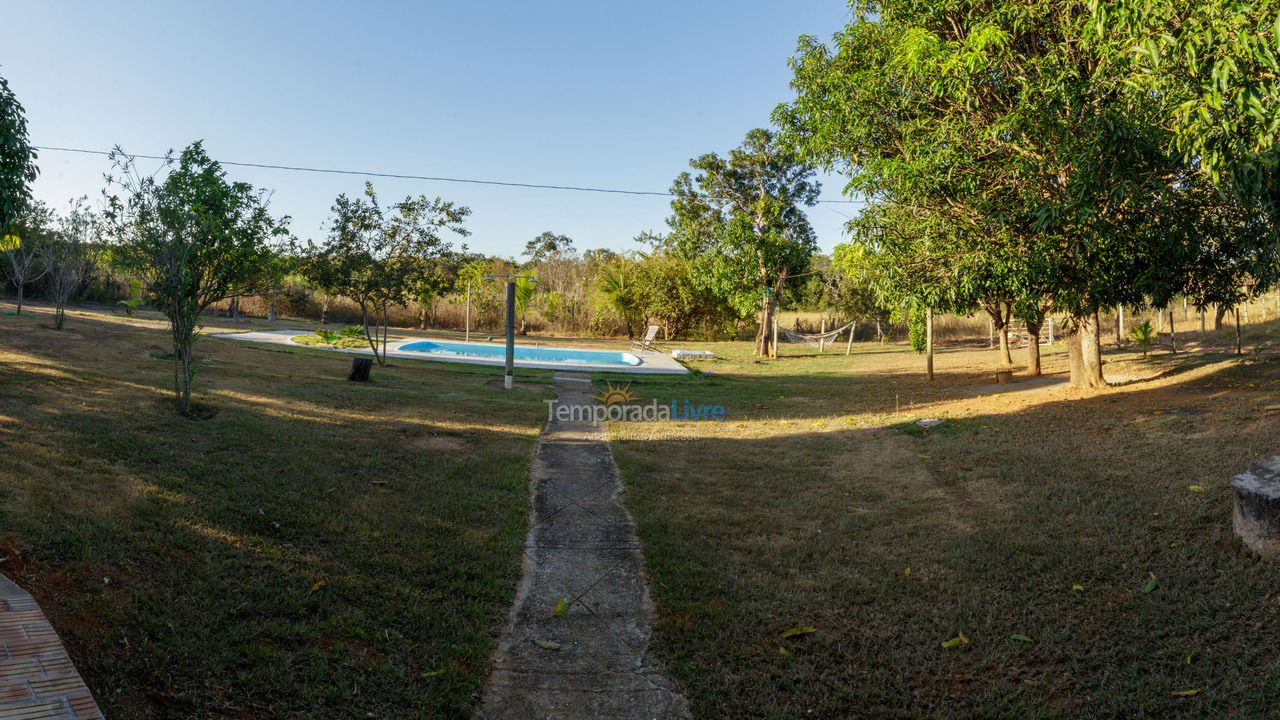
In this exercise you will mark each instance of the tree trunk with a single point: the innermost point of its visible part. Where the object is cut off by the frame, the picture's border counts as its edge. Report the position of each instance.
(19, 312)
(1033, 349)
(59, 315)
(1239, 349)
(1217, 317)
(928, 340)
(422, 318)
(999, 315)
(1173, 335)
(1084, 352)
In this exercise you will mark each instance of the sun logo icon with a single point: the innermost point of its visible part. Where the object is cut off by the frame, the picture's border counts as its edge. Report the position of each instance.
(615, 394)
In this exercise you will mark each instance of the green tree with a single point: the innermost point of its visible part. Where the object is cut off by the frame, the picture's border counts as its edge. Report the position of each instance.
(1004, 138)
(741, 218)
(547, 245)
(617, 287)
(526, 287)
(17, 159)
(376, 253)
(193, 237)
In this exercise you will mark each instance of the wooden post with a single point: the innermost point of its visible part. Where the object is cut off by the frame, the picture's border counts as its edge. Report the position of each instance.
(1173, 335)
(853, 327)
(991, 332)
(773, 351)
(822, 342)
(1119, 325)
(928, 340)
(1201, 320)
(467, 336)
(1051, 330)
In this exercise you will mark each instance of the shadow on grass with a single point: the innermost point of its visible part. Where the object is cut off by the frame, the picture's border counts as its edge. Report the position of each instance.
(890, 539)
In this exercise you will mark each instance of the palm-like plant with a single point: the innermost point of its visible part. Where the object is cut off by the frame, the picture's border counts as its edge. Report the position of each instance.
(615, 284)
(525, 287)
(1144, 336)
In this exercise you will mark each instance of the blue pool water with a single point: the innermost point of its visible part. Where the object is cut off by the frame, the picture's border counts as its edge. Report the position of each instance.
(523, 353)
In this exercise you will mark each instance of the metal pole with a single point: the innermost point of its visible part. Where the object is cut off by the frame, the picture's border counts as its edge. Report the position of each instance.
(467, 337)
(509, 380)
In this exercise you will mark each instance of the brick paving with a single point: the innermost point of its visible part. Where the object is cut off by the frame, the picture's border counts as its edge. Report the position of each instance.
(37, 678)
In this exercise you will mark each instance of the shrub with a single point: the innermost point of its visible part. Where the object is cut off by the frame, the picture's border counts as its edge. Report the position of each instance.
(1144, 336)
(353, 331)
(328, 336)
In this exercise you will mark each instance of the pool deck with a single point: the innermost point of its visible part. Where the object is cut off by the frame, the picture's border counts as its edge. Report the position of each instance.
(653, 362)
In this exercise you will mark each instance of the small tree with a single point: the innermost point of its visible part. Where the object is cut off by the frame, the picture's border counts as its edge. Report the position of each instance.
(67, 258)
(525, 289)
(193, 238)
(743, 216)
(375, 253)
(1144, 336)
(32, 230)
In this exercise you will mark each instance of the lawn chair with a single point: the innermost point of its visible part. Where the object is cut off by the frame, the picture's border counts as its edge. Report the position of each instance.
(649, 341)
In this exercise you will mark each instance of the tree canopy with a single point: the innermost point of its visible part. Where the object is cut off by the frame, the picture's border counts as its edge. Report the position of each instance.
(17, 159)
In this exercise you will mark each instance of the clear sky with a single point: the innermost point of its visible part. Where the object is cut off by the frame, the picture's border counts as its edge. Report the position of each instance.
(586, 92)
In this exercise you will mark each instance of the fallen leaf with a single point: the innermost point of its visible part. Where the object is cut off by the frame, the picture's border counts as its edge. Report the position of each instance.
(319, 584)
(561, 605)
(1192, 656)
(948, 644)
(797, 631)
(907, 572)
(1186, 693)
(432, 673)
(963, 638)
(1077, 587)
(1152, 584)
(1020, 638)
(1195, 488)
(785, 652)
(547, 644)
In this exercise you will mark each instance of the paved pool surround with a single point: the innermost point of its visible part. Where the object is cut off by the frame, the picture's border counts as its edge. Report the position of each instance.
(652, 362)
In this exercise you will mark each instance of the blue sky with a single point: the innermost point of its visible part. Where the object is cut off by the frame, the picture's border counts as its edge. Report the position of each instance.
(608, 94)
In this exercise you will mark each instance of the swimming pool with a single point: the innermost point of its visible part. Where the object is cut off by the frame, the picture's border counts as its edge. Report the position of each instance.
(523, 353)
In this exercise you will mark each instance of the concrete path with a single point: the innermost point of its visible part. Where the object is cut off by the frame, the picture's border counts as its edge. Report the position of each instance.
(37, 679)
(591, 660)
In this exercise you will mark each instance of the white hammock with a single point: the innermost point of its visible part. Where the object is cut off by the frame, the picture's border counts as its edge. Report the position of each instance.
(813, 338)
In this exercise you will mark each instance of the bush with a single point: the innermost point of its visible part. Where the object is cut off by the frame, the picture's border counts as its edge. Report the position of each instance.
(353, 331)
(1144, 336)
(328, 336)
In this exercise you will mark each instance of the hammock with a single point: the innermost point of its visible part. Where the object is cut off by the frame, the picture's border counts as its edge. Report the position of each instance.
(813, 338)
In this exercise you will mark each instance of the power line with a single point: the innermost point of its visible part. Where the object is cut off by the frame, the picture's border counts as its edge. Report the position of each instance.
(398, 176)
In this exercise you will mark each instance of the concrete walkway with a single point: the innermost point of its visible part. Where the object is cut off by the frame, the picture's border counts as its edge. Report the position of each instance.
(592, 659)
(37, 679)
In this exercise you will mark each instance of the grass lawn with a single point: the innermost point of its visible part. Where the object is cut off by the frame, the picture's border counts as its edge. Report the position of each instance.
(1045, 515)
(318, 548)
